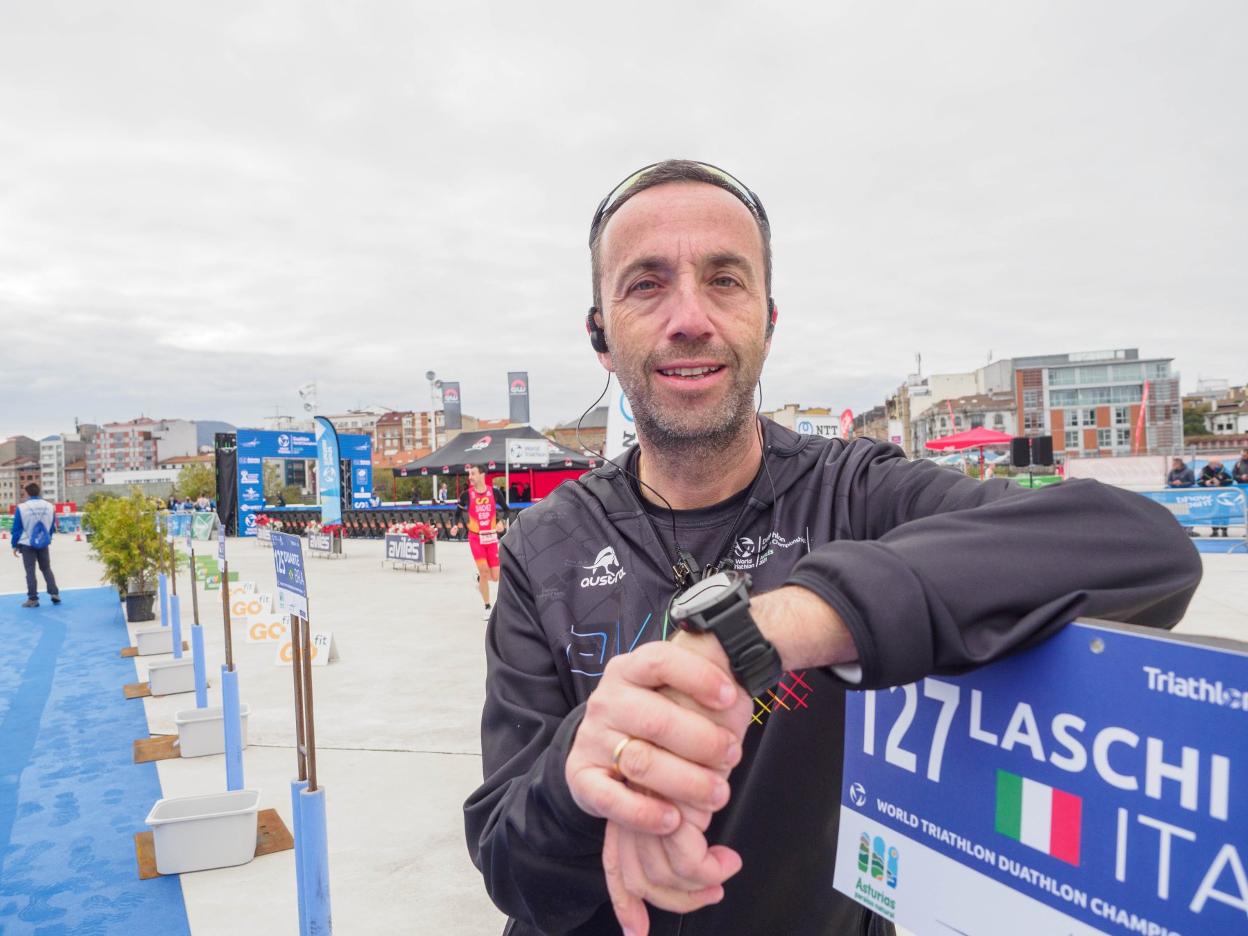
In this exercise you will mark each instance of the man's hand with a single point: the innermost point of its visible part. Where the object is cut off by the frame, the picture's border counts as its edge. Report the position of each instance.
(679, 872)
(676, 753)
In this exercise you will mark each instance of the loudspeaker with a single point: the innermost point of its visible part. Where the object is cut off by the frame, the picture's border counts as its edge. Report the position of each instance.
(1042, 450)
(1020, 452)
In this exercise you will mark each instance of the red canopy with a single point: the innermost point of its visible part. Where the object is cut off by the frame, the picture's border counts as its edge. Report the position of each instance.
(972, 438)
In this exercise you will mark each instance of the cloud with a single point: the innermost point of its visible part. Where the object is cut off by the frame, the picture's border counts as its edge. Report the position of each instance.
(201, 210)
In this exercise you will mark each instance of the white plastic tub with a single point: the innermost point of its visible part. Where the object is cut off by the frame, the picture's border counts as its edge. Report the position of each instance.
(201, 731)
(169, 676)
(212, 830)
(152, 640)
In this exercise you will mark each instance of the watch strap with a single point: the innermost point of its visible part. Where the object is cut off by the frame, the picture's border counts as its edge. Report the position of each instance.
(754, 660)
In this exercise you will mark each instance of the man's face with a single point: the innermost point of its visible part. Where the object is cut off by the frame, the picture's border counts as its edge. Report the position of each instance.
(685, 309)
(474, 476)
(1215, 463)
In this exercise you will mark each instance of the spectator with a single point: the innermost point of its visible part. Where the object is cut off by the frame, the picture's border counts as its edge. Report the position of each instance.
(1180, 475)
(1239, 472)
(1214, 475)
(33, 526)
(203, 503)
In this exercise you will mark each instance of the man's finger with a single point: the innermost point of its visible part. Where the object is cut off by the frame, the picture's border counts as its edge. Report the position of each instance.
(659, 663)
(630, 910)
(651, 716)
(602, 795)
(693, 863)
(673, 778)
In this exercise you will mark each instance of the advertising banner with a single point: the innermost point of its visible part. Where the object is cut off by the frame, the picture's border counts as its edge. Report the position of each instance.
(452, 415)
(895, 434)
(621, 430)
(292, 584)
(202, 524)
(827, 427)
(847, 424)
(178, 525)
(359, 450)
(1203, 506)
(329, 480)
(400, 548)
(1097, 783)
(256, 445)
(528, 452)
(320, 542)
(518, 394)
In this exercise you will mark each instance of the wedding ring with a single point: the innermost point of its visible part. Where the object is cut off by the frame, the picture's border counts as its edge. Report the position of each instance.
(617, 753)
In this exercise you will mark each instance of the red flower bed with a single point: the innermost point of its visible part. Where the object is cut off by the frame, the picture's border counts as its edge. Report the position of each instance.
(422, 532)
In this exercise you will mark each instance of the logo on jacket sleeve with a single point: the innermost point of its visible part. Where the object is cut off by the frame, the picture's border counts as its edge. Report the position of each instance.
(605, 569)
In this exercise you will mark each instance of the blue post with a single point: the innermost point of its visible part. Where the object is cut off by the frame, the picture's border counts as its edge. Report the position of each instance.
(233, 729)
(296, 807)
(315, 848)
(164, 600)
(201, 669)
(175, 612)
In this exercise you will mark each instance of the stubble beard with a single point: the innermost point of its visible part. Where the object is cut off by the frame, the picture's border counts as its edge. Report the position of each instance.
(672, 431)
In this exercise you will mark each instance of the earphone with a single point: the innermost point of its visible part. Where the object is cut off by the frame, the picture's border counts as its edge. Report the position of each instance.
(598, 337)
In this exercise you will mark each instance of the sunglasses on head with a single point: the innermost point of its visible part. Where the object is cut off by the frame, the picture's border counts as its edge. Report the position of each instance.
(735, 185)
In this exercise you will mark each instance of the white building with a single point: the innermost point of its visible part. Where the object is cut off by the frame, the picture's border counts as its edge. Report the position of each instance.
(1230, 418)
(55, 452)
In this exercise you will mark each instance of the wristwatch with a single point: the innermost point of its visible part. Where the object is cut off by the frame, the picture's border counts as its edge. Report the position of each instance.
(720, 605)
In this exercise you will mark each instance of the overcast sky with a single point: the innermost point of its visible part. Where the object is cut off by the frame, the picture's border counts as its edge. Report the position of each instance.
(203, 206)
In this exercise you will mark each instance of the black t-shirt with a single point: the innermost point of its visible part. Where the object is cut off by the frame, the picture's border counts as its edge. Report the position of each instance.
(704, 532)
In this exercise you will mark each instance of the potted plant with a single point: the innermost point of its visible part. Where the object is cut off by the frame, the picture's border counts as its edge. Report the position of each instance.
(129, 547)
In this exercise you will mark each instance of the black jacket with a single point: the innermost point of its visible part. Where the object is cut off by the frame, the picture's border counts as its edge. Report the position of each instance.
(932, 572)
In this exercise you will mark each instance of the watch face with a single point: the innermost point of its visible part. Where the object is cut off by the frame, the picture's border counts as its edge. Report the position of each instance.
(705, 594)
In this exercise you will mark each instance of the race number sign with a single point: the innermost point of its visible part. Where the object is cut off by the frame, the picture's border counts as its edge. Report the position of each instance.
(1096, 783)
(292, 584)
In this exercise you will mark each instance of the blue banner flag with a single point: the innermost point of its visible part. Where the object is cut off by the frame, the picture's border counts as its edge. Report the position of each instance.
(1095, 783)
(328, 478)
(1203, 506)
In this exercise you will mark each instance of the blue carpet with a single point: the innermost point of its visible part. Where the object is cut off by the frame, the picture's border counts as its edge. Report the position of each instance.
(71, 797)
(1220, 545)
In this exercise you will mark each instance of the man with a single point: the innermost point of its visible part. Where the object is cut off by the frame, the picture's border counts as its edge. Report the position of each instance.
(1240, 469)
(630, 782)
(1180, 475)
(1214, 475)
(481, 512)
(34, 524)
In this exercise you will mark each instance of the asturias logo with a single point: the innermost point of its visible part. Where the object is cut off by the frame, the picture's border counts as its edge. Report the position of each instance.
(483, 442)
(877, 862)
(600, 572)
(519, 387)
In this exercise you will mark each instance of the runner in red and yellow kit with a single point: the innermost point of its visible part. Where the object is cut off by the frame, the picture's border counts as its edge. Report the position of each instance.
(481, 511)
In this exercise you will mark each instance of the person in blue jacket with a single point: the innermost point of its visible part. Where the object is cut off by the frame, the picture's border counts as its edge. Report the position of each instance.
(33, 526)
(1180, 475)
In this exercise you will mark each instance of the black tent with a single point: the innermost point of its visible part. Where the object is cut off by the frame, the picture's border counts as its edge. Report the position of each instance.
(488, 448)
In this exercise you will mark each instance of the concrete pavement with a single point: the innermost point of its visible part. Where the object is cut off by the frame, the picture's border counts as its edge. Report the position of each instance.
(397, 732)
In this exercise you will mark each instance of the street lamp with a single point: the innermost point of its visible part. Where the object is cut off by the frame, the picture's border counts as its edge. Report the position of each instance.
(435, 391)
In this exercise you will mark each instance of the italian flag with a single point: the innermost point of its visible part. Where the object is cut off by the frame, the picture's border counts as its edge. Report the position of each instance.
(1040, 816)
